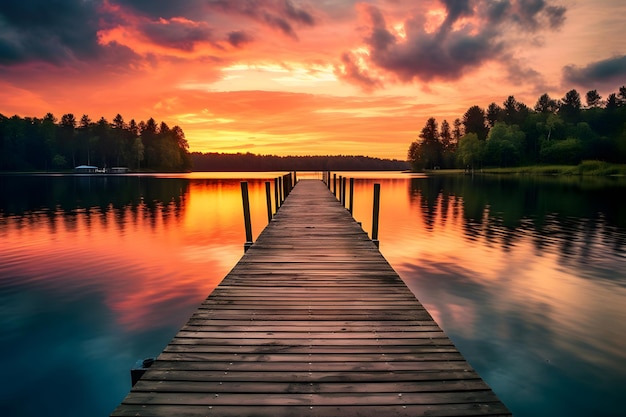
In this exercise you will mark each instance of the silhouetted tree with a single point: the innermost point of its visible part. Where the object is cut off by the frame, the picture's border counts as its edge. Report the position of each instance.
(475, 122)
(621, 96)
(593, 99)
(554, 131)
(448, 145)
(545, 104)
(68, 136)
(457, 131)
(611, 102)
(570, 106)
(118, 122)
(494, 114)
(31, 143)
(426, 152)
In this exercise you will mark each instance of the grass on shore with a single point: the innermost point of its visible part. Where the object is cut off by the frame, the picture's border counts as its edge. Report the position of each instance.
(586, 168)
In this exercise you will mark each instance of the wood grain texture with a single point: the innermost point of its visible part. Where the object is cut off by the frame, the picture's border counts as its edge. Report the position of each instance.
(312, 321)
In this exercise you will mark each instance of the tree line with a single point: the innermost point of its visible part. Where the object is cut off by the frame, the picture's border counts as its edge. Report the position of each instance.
(251, 162)
(32, 143)
(554, 131)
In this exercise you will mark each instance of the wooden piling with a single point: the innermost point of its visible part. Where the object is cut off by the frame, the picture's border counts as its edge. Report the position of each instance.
(376, 210)
(351, 205)
(268, 198)
(276, 198)
(246, 215)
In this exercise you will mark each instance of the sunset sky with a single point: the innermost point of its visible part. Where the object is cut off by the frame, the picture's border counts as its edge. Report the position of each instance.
(298, 77)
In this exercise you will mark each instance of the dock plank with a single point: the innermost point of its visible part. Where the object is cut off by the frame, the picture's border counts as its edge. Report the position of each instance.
(311, 321)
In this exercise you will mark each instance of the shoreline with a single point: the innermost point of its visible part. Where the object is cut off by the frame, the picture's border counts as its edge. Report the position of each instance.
(586, 168)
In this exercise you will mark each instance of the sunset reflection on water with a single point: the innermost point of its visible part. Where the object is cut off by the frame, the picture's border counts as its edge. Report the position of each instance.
(526, 278)
(146, 257)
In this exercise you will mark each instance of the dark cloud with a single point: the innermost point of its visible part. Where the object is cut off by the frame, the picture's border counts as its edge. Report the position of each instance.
(298, 15)
(50, 31)
(176, 33)
(352, 73)
(455, 10)
(451, 50)
(497, 10)
(239, 38)
(278, 14)
(556, 15)
(443, 54)
(380, 38)
(519, 73)
(279, 23)
(530, 15)
(65, 32)
(609, 70)
(166, 9)
(533, 14)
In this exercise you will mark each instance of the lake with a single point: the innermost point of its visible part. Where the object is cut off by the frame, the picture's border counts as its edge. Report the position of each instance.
(527, 276)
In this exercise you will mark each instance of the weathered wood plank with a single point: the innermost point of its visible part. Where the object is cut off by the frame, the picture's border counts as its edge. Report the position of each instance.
(235, 352)
(312, 377)
(326, 399)
(311, 321)
(269, 387)
(494, 409)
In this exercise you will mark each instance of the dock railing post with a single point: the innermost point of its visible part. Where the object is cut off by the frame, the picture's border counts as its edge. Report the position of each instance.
(375, 214)
(246, 215)
(328, 179)
(340, 181)
(276, 194)
(268, 198)
(287, 181)
(343, 192)
(335, 185)
(351, 205)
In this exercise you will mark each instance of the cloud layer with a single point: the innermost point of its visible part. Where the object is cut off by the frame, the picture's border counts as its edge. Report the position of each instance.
(609, 70)
(469, 34)
(301, 71)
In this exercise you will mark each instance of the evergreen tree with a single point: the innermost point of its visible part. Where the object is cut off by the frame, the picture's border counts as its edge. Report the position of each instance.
(475, 122)
(494, 114)
(570, 106)
(593, 99)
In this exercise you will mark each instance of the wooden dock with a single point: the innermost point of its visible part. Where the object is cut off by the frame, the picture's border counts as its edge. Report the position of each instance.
(312, 321)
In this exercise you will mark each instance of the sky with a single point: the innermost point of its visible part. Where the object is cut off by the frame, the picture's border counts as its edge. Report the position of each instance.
(302, 77)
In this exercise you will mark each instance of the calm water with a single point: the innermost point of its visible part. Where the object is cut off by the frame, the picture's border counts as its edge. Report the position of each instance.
(527, 276)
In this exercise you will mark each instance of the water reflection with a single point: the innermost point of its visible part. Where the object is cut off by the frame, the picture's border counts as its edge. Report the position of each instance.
(575, 221)
(525, 275)
(30, 197)
(98, 272)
